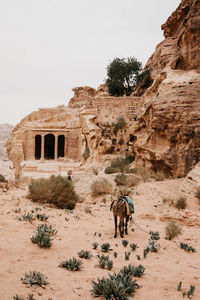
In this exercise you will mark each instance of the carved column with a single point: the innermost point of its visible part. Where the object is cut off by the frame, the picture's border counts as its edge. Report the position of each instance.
(56, 147)
(42, 147)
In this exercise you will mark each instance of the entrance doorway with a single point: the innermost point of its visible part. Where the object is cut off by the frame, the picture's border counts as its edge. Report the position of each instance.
(37, 146)
(49, 146)
(61, 146)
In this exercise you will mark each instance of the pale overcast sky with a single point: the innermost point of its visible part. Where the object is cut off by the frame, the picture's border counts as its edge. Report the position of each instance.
(47, 47)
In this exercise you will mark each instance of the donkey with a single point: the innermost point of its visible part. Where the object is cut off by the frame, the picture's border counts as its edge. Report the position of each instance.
(119, 208)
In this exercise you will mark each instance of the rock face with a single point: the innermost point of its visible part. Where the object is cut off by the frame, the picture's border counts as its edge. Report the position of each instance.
(167, 133)
(5, 131)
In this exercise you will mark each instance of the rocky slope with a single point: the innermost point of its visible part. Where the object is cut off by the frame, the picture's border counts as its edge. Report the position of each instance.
(5, 131)
(167, 133)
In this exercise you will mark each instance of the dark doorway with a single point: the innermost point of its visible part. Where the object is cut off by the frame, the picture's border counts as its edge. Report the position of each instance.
(61, 146)
(49, 145)
(37, 146)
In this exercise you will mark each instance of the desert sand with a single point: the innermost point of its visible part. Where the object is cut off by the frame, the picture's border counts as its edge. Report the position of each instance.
(79, 228)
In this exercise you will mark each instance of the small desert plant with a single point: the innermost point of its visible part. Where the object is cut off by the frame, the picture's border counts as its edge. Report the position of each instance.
(56, 190)
(100, 187)
(155, 236)
(138, 257)
(95, 171)
(34, 278)
(85, 254)
(72, 264)
(121, 179)
(104, 262)
(47, 229)
(133, 246)
(116, 287)
(105, 247)
(87, 210)
(172, 230)
(2, 178)
(152, 247)
(115, 254)
(188, 293)
(42, 217)
(198, 193)
(133, 271)
(168, 200)
(121, 123)
(26, 217)
(127, 255)
(181, 203)
(95, 245)
(187, 248)
(18, 298)
(124, 243)
(42, 239)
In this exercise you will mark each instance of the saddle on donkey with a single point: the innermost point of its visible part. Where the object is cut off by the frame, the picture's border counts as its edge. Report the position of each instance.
(129, 205)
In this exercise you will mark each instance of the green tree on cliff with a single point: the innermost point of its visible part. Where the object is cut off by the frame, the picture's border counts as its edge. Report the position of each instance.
(123, 75)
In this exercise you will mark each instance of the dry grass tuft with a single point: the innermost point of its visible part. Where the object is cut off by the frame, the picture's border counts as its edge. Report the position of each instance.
(100, 187)
(172, 230)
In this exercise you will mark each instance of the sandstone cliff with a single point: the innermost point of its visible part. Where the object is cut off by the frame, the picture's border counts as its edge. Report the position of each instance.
(167, 133)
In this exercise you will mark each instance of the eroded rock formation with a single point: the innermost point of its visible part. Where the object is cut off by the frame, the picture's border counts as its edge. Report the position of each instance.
(167, 134)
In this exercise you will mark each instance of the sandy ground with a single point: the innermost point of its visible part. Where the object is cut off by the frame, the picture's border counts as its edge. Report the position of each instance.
(76, 231)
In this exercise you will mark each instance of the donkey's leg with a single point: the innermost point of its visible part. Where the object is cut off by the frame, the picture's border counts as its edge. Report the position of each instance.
(115, 219)
(126, 224)
(121, 227)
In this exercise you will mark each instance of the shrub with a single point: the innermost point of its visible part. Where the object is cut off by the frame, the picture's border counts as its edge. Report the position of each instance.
(160, 176)
(104, 262)
(42, 239)
(115, 254)
(95, 171)
(72, 264)
(116, 287)
(121, 123)
(95, 245)
(110, 170)
(133, 271)
(198, 193)
(152, 247)
(187, 248)
(56, 190)
(105, 247)
(3, 179)
(124, 243)
(119, 163)
(121, 179)
(181, 203)
(132, 180)
(141, 172)
(172, 230)
(34, 278)
(85, 254)
(133, 246)
(100, 187)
